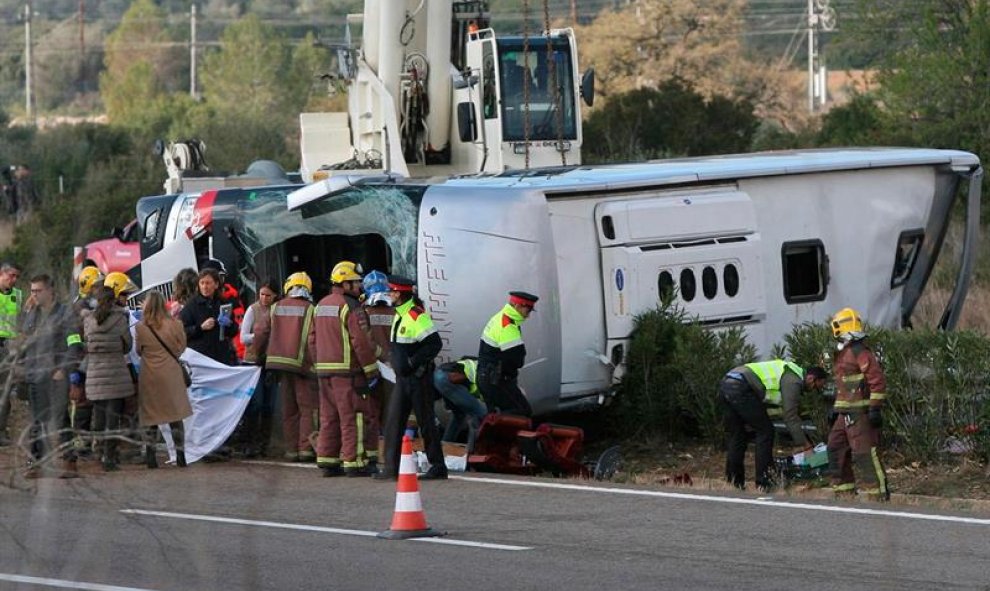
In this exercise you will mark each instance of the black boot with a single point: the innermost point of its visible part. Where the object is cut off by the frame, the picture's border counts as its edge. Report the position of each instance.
(149, 457)
(178, 437)
(111, 459)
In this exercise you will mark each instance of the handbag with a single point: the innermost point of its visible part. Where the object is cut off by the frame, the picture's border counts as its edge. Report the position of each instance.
(186, 372)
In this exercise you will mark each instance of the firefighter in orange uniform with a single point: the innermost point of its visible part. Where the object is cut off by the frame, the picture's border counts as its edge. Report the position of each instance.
(283, 343)
(347, 370)
(378, 306)
(856, 418)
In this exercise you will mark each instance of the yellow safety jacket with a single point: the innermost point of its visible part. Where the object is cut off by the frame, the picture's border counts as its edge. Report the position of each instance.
(10, 309)
(769, 374)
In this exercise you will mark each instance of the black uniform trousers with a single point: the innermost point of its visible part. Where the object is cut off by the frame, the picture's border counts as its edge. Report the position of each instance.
(742, 407)
(500, 392)
(415, 394)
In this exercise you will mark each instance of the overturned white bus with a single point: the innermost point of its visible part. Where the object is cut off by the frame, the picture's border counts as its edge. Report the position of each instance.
(760, 241)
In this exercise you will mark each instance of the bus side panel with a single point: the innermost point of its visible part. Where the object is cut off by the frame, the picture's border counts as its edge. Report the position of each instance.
(473, 249)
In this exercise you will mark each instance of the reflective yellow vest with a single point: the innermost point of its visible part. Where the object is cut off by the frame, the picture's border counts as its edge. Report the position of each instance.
(769, 373)
(10, 308)
(470, 367)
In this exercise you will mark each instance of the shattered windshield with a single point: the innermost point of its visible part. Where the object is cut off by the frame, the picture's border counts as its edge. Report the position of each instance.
(385, 211)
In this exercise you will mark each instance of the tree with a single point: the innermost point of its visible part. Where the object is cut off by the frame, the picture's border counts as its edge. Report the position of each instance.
(672, 120)
(249, 73)
(254, 88)
(142, 63)
(647, 42)
(935, 75)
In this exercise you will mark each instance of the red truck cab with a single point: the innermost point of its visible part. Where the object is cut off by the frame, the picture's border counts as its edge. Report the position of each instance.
(120, 252)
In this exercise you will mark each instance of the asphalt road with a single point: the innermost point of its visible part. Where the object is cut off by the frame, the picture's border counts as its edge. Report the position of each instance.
(256, 526)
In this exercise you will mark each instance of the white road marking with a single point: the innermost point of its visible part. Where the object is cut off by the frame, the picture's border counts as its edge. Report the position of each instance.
(729, 500)
(317, 528)
(62, 584)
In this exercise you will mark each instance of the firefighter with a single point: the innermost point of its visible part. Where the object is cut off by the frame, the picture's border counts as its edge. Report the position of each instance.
(347, 370)
(502, 353)
(81, 409)
(857, 415)
(749, 396)
(415, 343)
(378, 306)
(282, 340)
(11, 307)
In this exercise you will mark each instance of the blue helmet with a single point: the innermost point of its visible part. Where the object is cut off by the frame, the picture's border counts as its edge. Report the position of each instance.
(375, 282)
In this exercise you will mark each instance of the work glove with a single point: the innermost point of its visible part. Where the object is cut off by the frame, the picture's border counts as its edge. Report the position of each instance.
(875, 416)
(224, 320)
(833, 415)
(76, 378)
(420, 371)
(366, 390)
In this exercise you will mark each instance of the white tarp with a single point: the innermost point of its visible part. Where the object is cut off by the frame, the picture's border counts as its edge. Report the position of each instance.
(219, 394)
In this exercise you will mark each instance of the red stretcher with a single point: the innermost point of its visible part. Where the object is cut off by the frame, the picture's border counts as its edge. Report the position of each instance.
(509, 444)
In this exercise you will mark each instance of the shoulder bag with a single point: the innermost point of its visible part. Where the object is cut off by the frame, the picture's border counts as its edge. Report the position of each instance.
(186, 372)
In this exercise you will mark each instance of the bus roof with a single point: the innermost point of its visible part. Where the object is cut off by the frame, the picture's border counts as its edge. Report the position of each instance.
(707, 169)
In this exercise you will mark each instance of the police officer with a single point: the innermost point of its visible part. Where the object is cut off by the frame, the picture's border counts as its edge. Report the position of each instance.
(378, 306)
(502, 353)
(347, 369)
(749, 395)
(415, 344)
(857, 414)
(11, 304)
(282, 341)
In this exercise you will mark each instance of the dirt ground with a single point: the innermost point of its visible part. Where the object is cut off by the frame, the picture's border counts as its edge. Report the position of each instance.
(656, 462)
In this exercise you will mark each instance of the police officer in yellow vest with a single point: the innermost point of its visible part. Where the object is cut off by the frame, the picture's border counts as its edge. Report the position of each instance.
(415, 344)
(749, 395)
(11, 304)
(502, 353)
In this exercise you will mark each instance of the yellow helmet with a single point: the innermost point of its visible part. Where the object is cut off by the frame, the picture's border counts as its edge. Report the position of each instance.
(120, 283)
(845, 321)
(88, 277)
(300, 279)
(345, 271)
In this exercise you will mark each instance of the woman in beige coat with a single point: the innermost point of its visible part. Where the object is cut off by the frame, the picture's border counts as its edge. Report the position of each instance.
(162, 396)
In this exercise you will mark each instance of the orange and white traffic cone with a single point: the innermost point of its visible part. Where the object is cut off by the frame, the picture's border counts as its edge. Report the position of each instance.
(409, 520)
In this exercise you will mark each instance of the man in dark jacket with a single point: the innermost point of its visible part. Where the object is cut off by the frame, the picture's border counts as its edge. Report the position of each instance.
(415, 344)
(44, 354)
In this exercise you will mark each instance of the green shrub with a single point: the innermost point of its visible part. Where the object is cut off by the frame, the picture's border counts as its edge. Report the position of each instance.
(936, 385)
(937, 382)
(672, 374)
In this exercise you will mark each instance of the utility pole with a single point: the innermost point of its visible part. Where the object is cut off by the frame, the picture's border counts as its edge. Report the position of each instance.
(574, 12)
(821, 18)
(192, 51)
(28, 82)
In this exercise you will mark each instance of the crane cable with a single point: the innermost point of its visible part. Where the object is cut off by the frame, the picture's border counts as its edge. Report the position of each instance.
(526, 80)
(552, 66)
